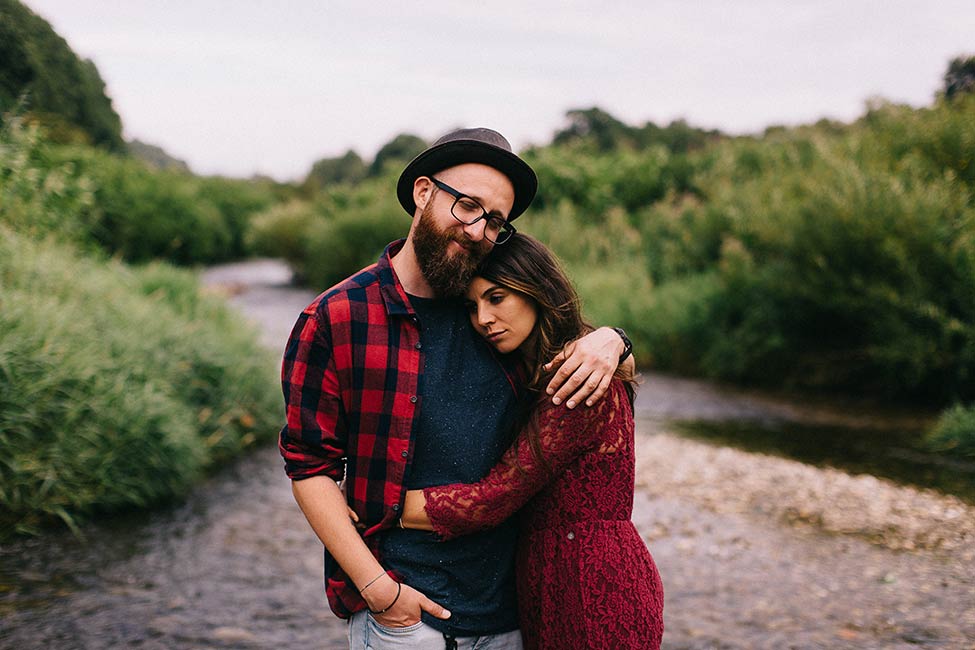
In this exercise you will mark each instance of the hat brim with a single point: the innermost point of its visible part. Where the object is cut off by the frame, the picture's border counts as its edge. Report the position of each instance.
(459, 152)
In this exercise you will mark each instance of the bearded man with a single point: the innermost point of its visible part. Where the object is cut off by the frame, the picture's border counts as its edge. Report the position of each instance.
(388, 388)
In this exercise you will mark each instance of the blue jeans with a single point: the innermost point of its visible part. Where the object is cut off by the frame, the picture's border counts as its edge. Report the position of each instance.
(366, 634)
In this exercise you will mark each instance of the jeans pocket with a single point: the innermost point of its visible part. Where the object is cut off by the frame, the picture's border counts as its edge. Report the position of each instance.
(397, 631)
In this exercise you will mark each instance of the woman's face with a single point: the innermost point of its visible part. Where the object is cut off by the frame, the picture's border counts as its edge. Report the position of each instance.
(504, 317)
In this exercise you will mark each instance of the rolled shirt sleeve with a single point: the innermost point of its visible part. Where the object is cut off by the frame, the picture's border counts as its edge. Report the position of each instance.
(314, 438)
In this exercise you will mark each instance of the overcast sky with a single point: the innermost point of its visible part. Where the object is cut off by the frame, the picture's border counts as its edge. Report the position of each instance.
(241, 87)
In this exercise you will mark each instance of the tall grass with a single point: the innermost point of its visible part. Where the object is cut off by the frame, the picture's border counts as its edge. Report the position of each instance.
(118, 386)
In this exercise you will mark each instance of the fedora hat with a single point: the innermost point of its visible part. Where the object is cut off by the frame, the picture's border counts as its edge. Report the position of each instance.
(478, 145)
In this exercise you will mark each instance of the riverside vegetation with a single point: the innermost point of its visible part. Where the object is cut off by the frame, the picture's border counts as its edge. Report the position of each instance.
(119, 385)
(830, 257)
(836, 258)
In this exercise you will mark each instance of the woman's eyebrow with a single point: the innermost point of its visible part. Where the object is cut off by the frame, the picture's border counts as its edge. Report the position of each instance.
(490, 289)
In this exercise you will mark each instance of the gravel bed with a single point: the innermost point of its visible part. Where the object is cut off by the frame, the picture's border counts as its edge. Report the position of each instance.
(727, 480)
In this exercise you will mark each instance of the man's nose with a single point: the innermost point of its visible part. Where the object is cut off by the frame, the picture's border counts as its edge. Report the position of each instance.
(475, 231)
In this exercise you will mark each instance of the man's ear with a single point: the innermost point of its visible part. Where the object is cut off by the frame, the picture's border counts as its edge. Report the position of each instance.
(422, 191)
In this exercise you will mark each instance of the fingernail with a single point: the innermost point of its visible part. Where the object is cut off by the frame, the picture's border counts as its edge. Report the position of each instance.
(589, 402)
(446, 613)
(556, 400)
(550, 391)
(570, 404)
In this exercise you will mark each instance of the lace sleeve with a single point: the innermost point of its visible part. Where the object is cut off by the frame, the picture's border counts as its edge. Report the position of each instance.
(564, 434)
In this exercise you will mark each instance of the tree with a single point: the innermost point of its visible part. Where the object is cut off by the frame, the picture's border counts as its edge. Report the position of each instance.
(348, 168)
(402, 148)
(596, 125)
(62, 92)
(960, 76)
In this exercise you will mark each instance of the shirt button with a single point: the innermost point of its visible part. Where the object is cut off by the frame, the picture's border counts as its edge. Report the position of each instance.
(396, 508)
(405, 454)
(418, 345)
(571, 535)
(413, 398)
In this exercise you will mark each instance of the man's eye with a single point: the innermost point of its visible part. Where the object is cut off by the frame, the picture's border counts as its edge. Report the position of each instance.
(468, 206)
(495, 223)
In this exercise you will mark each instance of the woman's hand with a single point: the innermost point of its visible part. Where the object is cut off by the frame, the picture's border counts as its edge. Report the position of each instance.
(585, 368)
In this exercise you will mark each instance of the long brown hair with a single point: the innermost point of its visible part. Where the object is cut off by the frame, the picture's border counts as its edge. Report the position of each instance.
(525, 265)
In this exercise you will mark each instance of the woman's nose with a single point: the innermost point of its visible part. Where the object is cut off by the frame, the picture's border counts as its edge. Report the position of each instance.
(484, 317)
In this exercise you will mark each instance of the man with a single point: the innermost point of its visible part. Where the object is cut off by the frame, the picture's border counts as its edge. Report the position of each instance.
(388, 387)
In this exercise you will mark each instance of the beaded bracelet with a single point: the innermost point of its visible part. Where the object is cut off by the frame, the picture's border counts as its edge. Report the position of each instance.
(399, 589)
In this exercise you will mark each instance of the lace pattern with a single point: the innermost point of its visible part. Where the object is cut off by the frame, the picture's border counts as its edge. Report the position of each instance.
(585, 577)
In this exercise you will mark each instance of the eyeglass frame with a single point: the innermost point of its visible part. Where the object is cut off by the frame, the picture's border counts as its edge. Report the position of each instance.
(485, 215)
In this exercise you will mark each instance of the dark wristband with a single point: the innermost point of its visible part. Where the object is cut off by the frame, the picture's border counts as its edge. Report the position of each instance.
(627, 345)
(399, 590)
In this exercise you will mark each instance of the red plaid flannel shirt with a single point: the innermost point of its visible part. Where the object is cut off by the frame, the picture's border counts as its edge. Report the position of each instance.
(350, 376)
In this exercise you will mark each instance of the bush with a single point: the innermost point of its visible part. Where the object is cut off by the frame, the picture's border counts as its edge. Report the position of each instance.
(955, 432)
(282, 231)
(329, 240)
(38, 197)
(118, 204)
(118, 387)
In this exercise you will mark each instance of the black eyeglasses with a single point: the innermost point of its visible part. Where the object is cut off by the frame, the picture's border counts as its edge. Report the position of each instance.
(468, 211)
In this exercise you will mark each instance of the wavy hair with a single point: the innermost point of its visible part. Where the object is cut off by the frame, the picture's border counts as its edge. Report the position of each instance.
(525, 265)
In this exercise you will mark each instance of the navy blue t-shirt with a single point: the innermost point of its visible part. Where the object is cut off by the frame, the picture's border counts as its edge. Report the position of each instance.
(464, 427)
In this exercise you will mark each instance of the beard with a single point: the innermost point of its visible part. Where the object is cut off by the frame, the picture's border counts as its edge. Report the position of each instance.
(448, 275)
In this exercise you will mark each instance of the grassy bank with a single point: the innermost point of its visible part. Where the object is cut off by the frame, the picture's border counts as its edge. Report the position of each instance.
(118, 386)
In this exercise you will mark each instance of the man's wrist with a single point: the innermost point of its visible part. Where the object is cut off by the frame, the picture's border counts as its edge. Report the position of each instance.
(627, 345)
(381, 593)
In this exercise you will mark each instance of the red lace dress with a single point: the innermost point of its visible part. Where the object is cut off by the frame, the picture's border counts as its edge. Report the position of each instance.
(585, 576)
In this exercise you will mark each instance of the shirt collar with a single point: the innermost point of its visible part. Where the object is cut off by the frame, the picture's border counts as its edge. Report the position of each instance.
(393, 293)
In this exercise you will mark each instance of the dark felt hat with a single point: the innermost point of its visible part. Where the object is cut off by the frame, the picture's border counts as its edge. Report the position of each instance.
(470, 146)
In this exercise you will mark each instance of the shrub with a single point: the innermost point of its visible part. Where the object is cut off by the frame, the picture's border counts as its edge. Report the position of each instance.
(955, 432)
(282, 231)
(38, 197)
(326, 241)
(117, 386)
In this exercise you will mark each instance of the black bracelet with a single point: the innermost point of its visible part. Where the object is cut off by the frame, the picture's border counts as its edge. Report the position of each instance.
(627, 345)
(399, 589)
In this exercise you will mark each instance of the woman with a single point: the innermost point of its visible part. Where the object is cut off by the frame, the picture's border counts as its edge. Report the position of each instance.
(585, 577)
